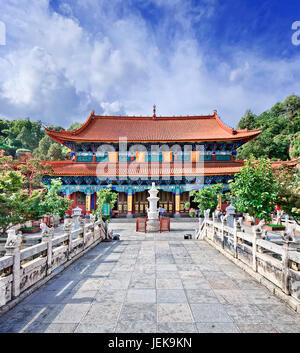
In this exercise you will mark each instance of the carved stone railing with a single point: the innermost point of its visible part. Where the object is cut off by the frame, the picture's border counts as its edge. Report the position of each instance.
(21, 270)
(276, 266)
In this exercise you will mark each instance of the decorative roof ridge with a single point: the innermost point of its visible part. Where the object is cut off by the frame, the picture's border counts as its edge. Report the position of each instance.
(134, 117)
(84, 125)
(230, 130)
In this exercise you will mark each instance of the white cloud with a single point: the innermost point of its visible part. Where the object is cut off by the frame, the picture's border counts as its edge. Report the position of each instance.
(58, 67)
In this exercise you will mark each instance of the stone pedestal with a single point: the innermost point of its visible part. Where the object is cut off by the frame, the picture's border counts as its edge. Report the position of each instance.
(153, 224)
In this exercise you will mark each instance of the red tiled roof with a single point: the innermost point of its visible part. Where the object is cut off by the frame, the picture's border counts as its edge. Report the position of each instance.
(70, 168)
(153, 129)
(106, 169)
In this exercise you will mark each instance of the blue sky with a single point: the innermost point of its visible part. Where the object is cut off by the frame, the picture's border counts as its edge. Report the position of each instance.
(63, 58)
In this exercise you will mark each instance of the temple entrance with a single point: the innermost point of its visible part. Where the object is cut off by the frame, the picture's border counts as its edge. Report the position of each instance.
(166, 201)
(184, 198)
(141, 203)
(80, 201)
(122, 203)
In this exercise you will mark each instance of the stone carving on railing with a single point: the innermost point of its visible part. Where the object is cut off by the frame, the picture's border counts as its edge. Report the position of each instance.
(46, 231)
(289, 234)
(67, 224)
(206, 214)
(224, 218)
(82, 222)
(13, 239)
(92, 218)
(260, 231)
(238, 224)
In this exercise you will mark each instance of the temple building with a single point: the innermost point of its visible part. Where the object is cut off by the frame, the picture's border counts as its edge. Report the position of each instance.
(128, 153)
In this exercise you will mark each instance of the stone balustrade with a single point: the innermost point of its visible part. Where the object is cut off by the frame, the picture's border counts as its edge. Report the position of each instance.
(25, 270)
(277, 266)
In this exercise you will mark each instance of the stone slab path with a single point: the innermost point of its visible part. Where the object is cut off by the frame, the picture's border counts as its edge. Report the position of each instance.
(152, 283)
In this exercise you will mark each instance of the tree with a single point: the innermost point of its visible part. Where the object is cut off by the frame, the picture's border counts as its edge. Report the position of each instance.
(55, 153)
(50, 150)
(207, 198)
(281, 125)
(74, 126)
(53, 203)
(33, 172)
(294, 151)
(43, 148)
(106, 196)
(21, 134)
(288, 198)
(255, 189)
(247, 121)
(17, 206)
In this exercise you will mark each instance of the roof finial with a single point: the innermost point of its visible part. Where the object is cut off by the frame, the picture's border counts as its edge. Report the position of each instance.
(154, 111)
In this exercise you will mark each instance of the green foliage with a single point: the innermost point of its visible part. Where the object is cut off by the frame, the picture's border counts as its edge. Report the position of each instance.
(17, 205)
(247, 121)
(192, 212)
(53, 203)
(74, 126)
(187, 205)
(33, 172)
(18, 134)
(207, 198)
(288, 198)
(49, 149)
(255, 189)
(23, 134)
(295, 147)
(18, 199)
(106, 196)
(281, 126)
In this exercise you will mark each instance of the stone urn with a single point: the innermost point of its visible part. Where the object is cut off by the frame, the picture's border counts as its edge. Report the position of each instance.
(153, 224)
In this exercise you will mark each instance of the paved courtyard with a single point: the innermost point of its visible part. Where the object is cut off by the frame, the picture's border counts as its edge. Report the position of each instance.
(152, 283)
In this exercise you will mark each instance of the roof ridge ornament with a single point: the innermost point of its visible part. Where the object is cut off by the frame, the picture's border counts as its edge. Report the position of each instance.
(154, 112)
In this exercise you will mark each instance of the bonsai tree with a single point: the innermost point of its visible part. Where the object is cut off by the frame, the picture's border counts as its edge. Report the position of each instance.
(207, 198)
(255, 189)
(17, 205)
(106, 197)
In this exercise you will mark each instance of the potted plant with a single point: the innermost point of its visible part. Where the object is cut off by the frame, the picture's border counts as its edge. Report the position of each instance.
(192, 212)
(274, 227)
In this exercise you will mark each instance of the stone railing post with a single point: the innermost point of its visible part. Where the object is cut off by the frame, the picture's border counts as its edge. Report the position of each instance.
(230, 212)
(222, 232)
(47, 237)
(288, 247)
(82, 223)
(256, 235)
(237, 229)
(67, 230)
(12, 247)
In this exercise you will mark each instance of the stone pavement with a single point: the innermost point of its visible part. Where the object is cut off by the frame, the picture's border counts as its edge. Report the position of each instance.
(151, 283)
